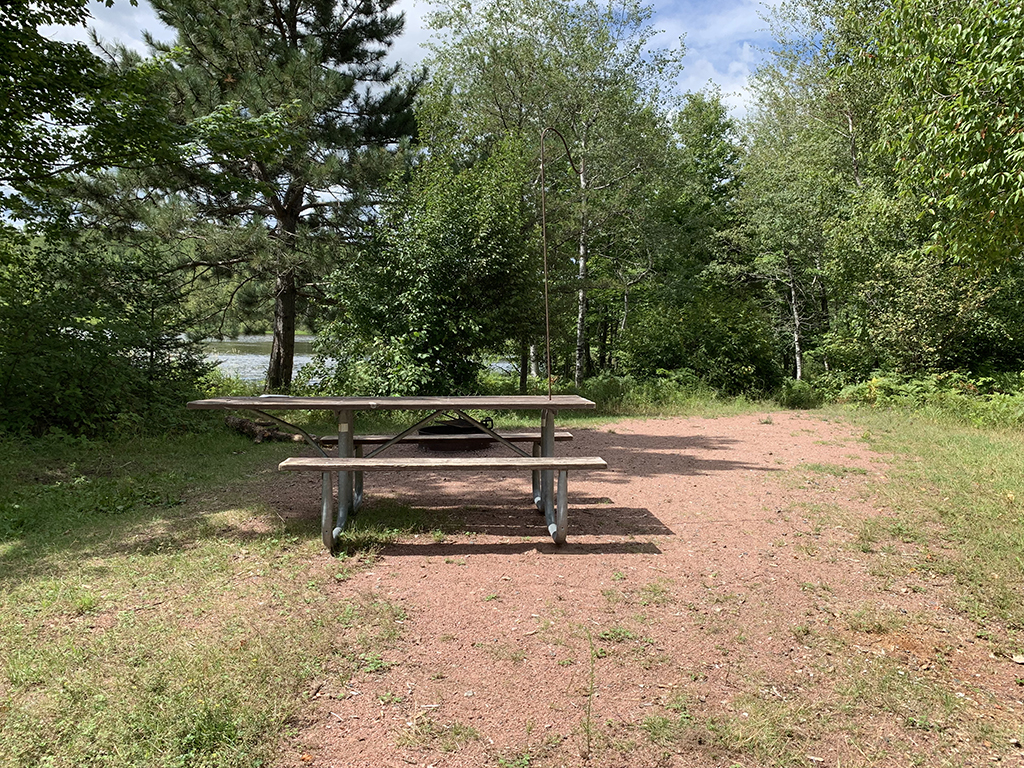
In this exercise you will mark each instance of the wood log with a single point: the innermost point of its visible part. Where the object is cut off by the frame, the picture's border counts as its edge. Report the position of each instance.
(258, 432)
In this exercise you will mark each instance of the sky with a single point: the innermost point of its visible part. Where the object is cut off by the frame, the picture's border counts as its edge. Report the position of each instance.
(722, 38)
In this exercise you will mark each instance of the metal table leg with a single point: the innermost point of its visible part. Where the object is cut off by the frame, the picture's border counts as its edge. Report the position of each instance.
(331, 529)
(537, 499)
(547, 476)
(559, 529)
(327, 512)
(357, 484)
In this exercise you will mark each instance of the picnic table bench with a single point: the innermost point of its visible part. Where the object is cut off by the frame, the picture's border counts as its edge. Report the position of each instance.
(349, 465)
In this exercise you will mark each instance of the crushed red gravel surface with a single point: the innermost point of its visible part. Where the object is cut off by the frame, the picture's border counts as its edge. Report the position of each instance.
(715, 605)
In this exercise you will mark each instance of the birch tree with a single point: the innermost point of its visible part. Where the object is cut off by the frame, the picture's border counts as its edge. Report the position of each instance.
(518, 67)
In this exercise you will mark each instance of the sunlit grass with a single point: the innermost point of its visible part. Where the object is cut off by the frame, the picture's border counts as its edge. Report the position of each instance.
(956, 491)
(154, 612)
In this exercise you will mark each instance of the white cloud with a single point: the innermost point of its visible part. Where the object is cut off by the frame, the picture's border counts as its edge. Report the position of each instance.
(722, 37)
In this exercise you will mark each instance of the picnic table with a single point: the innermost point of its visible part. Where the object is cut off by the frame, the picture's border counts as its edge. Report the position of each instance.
(350, 463)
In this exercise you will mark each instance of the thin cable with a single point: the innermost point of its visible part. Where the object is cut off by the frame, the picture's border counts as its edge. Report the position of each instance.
(544, 242)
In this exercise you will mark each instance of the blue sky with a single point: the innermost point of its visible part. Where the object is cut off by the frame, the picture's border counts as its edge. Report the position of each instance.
(722, 38)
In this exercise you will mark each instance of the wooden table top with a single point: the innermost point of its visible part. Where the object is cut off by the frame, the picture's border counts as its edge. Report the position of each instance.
(470, 402)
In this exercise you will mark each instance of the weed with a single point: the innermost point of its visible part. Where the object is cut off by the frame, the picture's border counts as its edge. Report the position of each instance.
(490, 597)
(815, 588)
(373, 662)
(874, 621)
(618, 576)
(801, 632)
(665, 731)
(519, 761)
(425, 732)
(613, 596)
(836, 470)
(655, 593)
(617, 634)
(85, 604)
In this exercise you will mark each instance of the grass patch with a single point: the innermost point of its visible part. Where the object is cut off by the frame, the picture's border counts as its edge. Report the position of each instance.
(655, 593)
(616, 634)
(954, 492)
(836, 470)
(426, 733)
(874, 621)
(155, 612)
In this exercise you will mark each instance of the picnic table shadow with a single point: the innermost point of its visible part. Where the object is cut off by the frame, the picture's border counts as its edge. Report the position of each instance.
(490, 511)
(637, 454)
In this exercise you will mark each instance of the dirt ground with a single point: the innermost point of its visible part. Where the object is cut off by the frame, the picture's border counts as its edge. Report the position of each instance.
(715, 605)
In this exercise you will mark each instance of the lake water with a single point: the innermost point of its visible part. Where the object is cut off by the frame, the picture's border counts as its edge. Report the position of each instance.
(247, 357)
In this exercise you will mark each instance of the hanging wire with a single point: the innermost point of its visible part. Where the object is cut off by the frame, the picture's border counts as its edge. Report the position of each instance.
(544, 242)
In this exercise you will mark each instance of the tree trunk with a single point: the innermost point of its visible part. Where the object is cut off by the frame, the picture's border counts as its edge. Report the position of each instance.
(853, 151)
(282, 351)
(798, 353)
(581, 317)
(824, 303)
(524, 362)
(534, 362)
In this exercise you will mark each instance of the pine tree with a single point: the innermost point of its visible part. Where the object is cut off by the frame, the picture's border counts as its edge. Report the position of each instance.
(292, 110)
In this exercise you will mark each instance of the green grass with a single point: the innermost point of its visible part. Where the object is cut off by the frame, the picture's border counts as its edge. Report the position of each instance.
(836, 470)
(424, 732)
(150, 605)
(955, 492)
(616, 634)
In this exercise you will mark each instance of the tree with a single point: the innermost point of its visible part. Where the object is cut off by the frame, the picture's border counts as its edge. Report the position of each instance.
(827, 224)
(94, 336)
(809, 162)
(954, 119)
(64, 109)
(518, 67)
(448, 277)
(291, 112)
(47, 88)
(700, 314)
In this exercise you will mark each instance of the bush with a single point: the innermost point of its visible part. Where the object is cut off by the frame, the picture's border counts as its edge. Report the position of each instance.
(626, 394)
(92, 341)
(797, 395)
(446, 281)
(981, 401)
(724, 342)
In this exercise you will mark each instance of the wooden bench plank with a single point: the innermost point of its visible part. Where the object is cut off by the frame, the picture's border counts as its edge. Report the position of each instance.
(357, 464)
(512, 437)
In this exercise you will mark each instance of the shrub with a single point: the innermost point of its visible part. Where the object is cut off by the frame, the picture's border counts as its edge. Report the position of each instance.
(725, 342)
(980, 401)
(798, 395)
(93, 340)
